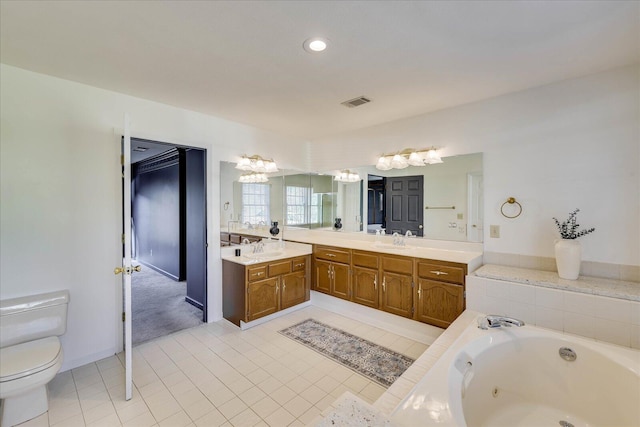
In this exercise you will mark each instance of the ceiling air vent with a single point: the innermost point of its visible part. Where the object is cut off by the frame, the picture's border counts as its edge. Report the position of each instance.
(356, 102)
(140, 149)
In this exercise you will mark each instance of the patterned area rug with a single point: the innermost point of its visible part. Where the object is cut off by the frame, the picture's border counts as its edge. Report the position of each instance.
(377, 363)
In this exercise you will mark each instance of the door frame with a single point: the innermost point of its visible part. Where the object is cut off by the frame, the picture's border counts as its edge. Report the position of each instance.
(206, 220)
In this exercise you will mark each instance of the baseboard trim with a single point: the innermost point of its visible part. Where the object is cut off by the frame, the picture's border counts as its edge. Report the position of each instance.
(244, 326)
(72, 364)
(194, 303)
(408, 328)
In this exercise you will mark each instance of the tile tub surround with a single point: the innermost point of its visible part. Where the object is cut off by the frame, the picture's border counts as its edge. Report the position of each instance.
(548, 279)
(624, 272)
(601, 309)
(391, 398)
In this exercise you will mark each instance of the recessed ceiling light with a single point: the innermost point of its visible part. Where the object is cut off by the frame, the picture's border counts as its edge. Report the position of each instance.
(315, 44)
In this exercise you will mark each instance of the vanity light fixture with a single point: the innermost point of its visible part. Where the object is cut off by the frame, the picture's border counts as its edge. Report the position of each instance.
(315, 44)
(256, 164)
(253, 177)
(347, 176)
(408, 157)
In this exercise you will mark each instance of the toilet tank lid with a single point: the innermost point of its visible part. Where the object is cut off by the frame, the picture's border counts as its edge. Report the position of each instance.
(33, 302)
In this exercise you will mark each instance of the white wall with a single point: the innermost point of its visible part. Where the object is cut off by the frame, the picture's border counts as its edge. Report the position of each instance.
(60, 206)
(566, 145)
(571, 144)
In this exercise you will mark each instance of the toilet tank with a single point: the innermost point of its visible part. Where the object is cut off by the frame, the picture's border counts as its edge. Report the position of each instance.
(32, 317)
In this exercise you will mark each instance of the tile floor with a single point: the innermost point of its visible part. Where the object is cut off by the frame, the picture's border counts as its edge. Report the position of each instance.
(217, 375)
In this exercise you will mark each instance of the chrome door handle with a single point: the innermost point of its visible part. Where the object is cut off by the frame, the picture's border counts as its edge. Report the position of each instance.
(375, 282)
(384, 284)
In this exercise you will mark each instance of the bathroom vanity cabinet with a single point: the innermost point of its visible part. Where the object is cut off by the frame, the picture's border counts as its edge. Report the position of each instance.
(426, 290)
(257, 290)
(397, 285)
(440, 292)
(366, 278)
(332, 271)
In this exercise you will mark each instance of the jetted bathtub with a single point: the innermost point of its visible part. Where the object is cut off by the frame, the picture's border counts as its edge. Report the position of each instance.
(526, 376)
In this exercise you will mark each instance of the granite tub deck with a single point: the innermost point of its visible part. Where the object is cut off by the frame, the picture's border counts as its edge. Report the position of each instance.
(549, 279)
(348, 410)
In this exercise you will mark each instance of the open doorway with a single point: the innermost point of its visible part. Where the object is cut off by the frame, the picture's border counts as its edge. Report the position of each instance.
(168, 206)
(376, 207)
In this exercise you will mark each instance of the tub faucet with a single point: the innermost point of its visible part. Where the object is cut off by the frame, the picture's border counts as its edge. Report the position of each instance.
(495, 321)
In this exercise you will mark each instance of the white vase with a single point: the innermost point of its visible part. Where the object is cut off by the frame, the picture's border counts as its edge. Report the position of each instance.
(568, 257)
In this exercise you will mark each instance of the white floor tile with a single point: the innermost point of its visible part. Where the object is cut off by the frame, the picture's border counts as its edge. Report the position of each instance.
(216, 374)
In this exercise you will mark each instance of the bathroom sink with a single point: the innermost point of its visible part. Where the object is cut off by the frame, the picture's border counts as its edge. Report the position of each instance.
(264, 255)
(390, 246)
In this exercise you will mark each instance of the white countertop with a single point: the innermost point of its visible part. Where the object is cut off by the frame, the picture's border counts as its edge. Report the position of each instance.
(460, 252)
(417, 247)
(549, 279)
(272, 252)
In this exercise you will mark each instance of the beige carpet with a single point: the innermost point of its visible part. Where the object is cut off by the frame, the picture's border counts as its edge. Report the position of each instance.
(158, 306)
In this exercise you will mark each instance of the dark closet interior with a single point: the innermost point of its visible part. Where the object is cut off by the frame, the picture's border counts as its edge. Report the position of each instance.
(168, 194)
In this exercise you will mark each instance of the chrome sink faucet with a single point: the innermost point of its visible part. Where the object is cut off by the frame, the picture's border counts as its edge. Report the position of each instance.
(258, 247)
(408, 234)
(495, 321)
(248, 225)
(398, 240)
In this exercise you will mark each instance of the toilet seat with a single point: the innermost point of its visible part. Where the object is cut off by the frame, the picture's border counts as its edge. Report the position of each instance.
(29, 358)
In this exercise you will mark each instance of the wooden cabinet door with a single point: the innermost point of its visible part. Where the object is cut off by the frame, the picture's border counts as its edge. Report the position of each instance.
(439, 303)
(322, 282)
(341, 283)
(262, 298)
(365, 286)
(397, 294)
(293, 289)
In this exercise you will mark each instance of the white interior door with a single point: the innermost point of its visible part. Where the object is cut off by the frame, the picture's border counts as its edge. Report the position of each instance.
(126, 270)
(475, 203)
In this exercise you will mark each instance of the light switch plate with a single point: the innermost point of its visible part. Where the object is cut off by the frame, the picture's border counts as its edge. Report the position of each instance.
(494, 231)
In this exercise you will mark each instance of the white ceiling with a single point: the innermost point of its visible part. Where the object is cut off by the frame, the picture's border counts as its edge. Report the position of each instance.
(244, 60)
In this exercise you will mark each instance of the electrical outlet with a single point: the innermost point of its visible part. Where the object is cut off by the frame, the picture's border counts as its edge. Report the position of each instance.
(494, 231)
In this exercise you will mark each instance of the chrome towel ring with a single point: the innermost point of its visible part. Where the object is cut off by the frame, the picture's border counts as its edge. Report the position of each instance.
(511, 201)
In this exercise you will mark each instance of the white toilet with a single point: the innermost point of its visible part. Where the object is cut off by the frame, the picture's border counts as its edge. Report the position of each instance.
(30, 353)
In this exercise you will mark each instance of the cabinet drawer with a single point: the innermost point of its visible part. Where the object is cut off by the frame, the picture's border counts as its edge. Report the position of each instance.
(281, 267)
(397, 264)
(235, 238)
(299, 264)
(331, 254)
(364, 259)
(256, 273)
(224, 236)
(443, 273)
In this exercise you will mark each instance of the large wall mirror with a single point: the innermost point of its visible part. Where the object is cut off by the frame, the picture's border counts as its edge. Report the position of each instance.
(292, 198)
(442, 201)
